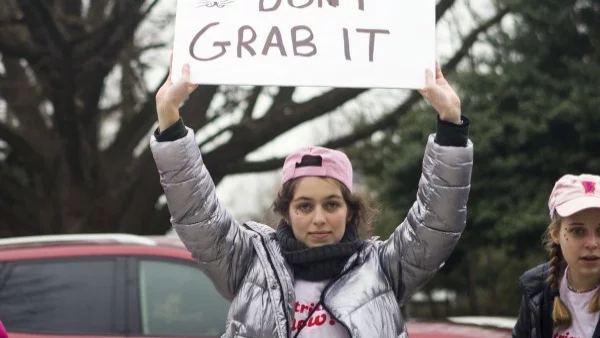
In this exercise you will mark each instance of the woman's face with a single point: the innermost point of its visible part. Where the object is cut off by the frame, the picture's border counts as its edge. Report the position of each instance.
(579, 240)
(318, 212)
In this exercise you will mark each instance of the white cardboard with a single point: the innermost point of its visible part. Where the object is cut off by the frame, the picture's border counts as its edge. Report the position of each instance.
(401, 34)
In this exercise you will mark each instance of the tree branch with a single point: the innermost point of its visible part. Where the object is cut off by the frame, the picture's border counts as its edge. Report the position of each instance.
(21, 146)
(283, 96)
(42, 27)
(255, 166)
(14, 40)
(250, 136)
(9, 185)
(101, 50)
(10, 22)
(71, 8)
(194, 113)
(216, 134)
(69, 14)
(96, 11)
(132, 131)
(441, 7)
(390, 120)
(23, 99)
(12, 49)
(124, 19)
(251, 102)
(195, 109)
(101, 53)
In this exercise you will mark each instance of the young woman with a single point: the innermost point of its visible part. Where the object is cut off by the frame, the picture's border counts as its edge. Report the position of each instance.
(561, 298)
(314, 276)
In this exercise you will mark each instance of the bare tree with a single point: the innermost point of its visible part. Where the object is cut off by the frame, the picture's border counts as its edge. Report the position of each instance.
(56, 176)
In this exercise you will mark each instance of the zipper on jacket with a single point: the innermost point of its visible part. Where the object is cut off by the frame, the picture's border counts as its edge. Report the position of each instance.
(287, 320)
(322, 298)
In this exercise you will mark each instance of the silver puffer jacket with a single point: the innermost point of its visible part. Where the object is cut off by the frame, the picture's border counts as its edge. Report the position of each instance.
(245, 263)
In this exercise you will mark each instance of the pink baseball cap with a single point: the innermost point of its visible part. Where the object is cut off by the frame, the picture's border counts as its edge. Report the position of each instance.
(318, 161)
(572, 194)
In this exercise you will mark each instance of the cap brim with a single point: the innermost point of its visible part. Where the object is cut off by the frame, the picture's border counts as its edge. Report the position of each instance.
(576, 205)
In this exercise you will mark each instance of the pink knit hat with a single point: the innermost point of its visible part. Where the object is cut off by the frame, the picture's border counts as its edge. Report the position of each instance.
(572, 194)
(318, 161)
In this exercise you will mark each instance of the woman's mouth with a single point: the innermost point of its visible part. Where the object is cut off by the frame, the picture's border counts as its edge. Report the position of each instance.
(590, 259)
(319, 234)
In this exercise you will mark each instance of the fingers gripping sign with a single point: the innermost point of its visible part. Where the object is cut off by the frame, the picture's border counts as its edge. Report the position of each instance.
(441, 96)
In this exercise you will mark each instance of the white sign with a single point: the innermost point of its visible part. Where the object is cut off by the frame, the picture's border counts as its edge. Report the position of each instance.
(329, 43)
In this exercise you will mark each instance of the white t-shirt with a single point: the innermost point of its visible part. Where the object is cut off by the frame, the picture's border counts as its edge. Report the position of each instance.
(321, 323)
(584, 323)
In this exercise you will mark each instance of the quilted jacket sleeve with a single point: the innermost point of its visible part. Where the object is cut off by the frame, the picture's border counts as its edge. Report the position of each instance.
(221, 246)
(429, 233)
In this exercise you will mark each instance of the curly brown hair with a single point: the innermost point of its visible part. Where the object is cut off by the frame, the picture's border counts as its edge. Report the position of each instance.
(360, 209)
(561, 316)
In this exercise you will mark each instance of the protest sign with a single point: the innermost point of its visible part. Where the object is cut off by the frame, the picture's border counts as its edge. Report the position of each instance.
(322, 43)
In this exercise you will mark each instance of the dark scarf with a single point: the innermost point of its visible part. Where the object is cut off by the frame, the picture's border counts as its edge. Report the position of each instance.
(319, 263)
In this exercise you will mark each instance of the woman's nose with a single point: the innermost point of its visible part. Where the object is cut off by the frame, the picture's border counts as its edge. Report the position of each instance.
(319, 217)
(592, 241)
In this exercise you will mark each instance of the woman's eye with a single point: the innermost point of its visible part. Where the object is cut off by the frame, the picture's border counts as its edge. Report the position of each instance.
(332, 205)
(578, 232)
(303, 207)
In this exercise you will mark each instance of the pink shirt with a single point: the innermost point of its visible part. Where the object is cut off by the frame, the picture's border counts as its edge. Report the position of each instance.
(584, 323)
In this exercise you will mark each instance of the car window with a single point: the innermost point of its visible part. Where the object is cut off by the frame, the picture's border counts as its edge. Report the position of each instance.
(65, 297)
(177, 299)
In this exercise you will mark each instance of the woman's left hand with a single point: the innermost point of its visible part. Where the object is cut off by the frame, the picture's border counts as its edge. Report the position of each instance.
(441, 96)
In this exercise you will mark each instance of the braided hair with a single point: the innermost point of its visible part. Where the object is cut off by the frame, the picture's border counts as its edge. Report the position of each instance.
(561, 316)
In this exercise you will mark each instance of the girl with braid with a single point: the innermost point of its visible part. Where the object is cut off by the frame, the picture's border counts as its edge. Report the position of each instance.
(561, 298)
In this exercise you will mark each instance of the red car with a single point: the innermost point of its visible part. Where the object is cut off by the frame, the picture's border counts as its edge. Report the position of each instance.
(109, 285)
(454, 330)
(119, 285)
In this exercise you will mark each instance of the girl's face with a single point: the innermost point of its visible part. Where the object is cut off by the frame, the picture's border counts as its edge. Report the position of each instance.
(579, 240)
(318, 212)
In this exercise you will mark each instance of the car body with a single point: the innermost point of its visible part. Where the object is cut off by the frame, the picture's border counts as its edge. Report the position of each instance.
(121, 285)
(462, 327)
(105, 285)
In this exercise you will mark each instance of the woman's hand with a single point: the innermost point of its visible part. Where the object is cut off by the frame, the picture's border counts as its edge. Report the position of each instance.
(441, 96)
(170, 96)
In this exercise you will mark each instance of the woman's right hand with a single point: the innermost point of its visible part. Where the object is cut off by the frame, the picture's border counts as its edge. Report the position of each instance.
(170, 96)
